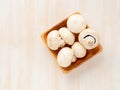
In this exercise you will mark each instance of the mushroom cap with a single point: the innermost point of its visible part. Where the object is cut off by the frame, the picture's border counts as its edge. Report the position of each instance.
(89, 38)
(79, 50)
(65, 57)
(61, 42)
(67, 36)
(52, 40)
(76, 23)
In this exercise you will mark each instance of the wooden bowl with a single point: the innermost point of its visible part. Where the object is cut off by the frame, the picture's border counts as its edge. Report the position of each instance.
(90, 53)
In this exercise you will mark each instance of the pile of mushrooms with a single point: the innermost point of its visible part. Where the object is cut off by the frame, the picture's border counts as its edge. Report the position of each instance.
(87, 39)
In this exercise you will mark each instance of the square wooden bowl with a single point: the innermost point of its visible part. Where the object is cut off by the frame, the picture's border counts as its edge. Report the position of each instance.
(90, 53)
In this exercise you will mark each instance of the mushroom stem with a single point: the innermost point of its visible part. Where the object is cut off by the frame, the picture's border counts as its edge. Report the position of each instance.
(74, 59)
(90, 41)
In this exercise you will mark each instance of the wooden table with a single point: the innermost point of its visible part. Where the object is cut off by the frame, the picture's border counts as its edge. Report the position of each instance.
(26, 64)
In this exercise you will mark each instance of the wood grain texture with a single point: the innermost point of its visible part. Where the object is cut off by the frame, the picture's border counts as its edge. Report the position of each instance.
(26, 64)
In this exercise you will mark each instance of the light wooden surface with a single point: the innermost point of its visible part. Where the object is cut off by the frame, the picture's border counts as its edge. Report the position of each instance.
(25, 63)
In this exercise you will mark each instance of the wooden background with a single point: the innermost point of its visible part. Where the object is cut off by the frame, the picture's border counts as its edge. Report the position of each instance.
(25, 63)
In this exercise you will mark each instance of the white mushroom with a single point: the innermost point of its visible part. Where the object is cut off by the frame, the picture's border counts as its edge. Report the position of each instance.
(79, 50)
(54, 41)
(88, 38)
(67, 36)
(76, 23)
(65, 57)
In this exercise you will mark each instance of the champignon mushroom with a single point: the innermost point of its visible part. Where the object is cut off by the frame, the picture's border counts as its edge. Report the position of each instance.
(67, 36)
(76, 23)
(54, 41)
(79, 50)
(88, 38)
(65, 57)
